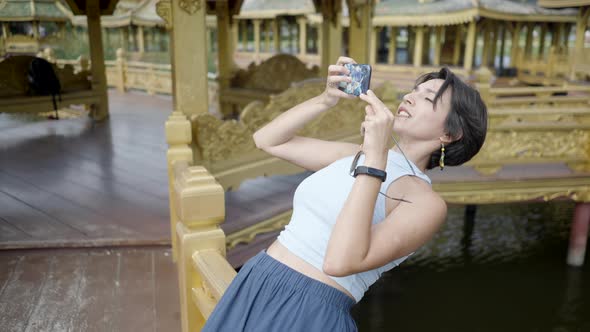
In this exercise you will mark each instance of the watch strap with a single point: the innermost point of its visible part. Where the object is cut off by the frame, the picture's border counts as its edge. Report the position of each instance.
(374, 172)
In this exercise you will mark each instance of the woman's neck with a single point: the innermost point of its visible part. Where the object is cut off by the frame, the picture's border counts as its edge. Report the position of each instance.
(417, 152)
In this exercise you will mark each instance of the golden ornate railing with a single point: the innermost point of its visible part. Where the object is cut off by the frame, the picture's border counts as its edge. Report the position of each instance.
(197, 208)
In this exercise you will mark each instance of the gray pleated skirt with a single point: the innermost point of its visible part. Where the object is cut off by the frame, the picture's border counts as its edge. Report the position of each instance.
(268, 295)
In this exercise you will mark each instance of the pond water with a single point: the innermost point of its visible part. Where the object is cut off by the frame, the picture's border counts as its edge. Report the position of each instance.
(509, 275)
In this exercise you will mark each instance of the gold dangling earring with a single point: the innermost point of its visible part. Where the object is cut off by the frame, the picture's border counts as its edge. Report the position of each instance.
(441, 161)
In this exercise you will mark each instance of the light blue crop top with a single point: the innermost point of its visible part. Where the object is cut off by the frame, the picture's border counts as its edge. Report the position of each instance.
(316, 204)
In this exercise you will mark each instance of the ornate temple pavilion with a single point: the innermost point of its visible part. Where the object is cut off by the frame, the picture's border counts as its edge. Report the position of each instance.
(27, 24)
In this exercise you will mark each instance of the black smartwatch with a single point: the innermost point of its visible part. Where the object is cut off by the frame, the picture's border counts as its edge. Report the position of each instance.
(371, 172)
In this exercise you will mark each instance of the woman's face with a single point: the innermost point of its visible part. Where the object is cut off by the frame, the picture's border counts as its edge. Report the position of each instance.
(417, 119)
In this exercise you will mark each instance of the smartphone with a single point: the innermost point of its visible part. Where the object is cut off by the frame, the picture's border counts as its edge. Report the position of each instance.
(361, 77)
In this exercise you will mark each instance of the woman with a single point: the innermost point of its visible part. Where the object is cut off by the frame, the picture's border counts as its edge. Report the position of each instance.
(343, 234)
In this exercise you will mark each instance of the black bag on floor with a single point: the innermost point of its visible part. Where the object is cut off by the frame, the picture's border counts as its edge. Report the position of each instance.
(43, 81)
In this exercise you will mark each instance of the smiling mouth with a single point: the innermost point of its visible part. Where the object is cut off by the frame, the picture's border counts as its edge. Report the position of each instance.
(403, 113)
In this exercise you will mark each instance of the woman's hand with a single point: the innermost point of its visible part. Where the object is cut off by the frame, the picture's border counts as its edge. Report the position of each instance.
(377, 127)
(336, 73)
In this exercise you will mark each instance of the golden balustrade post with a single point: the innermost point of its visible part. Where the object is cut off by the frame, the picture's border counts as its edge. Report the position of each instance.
(83, 63)
(179, 137)
(457, 45)
(331, 44)
(418, 46)
(49, 55)
(361, 32)
(5, 30)
(302, 22)
(121, 70)
(469, 46)
(438, 33)
(392, 45)
(257, 40)
(235, 36)
(200, 208)
(99, 79)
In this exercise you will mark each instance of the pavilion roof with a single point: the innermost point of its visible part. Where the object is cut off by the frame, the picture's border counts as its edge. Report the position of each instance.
(34, 10)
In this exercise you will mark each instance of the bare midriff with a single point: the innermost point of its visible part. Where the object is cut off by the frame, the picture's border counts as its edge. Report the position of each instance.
(283, 255)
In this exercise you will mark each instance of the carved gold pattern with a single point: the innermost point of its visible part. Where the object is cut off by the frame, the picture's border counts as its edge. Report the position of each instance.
(535, 145)
(248, 234)
(275, 74)
(190, 6)
(164, 10)
(220, 140)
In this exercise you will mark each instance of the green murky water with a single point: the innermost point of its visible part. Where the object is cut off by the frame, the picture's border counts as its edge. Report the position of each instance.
(509, 275)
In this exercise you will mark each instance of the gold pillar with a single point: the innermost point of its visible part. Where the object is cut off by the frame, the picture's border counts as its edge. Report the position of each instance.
(331, 36)
(486, 46)
(542, 40)
(494, 44)
(302, 21)
(373, 46)
(190, 59)
(469, 46)
(4, 30)
(581, 23)
(361, 36)
(257, 40)
(457, 46)
(244, 32)
(528, 46)
(140, 40)
(515, 44)
(438, 33)
(556, 35)
(267, 36)
(392, 46)
(99, 78)
(124, 38)
(225, 62)
(418, 46)
(276, 35)
(235, 35)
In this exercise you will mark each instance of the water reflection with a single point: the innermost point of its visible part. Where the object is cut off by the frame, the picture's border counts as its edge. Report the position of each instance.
(509, 275)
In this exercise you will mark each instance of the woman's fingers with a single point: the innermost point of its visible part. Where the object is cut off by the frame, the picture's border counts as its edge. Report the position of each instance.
(336, 78)
(343, 59)
(337, 70)
(341, 94)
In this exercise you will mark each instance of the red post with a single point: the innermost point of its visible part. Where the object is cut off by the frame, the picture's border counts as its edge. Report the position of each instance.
(579, 235)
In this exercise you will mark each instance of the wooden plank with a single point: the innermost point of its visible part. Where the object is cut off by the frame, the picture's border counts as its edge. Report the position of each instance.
(90, 224)
(98, 291)
(60, 298)
(166, 295)
(11, 233)
(134, 309)
(31, 221)
(131, 216)
(22, 292)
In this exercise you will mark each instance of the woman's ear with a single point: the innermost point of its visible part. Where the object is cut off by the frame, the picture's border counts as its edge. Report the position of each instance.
(448, 139)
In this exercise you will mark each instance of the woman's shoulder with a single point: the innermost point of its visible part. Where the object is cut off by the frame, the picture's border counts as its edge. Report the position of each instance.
(414, 186)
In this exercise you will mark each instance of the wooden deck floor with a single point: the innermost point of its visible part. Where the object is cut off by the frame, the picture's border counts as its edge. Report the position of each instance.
(88, 290)
(74, 183)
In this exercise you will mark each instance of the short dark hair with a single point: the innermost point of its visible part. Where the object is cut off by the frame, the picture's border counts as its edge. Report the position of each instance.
(466, 123)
